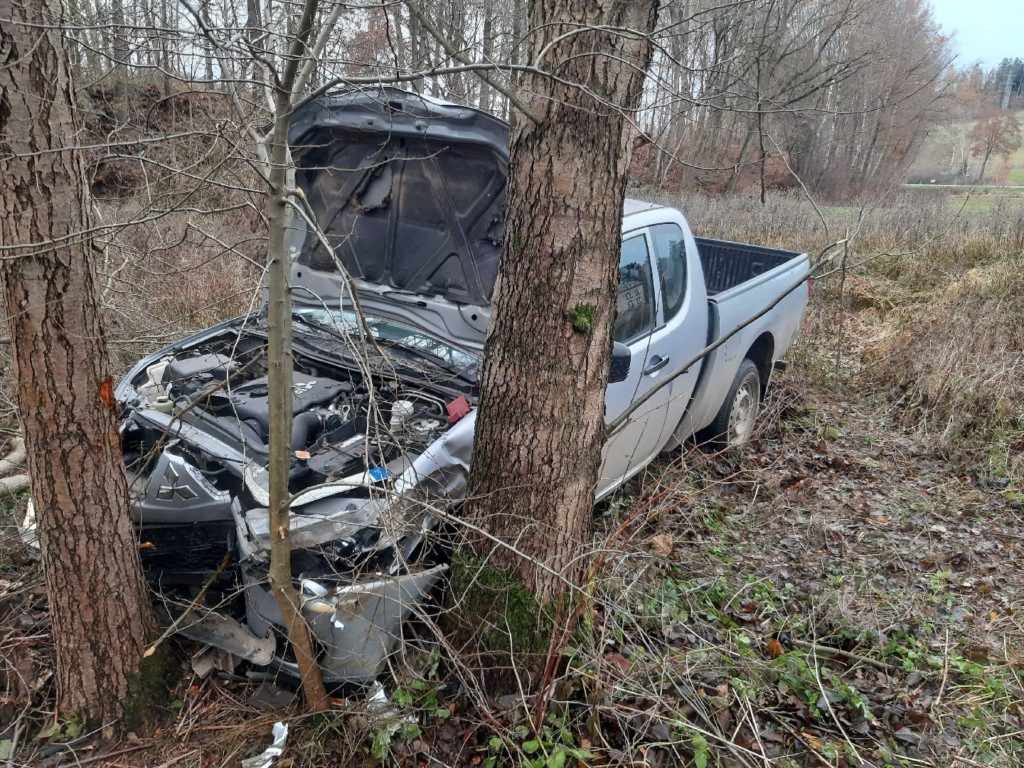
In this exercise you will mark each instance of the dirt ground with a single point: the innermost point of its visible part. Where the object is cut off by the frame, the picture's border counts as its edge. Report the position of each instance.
(865, 589)
(845, 591)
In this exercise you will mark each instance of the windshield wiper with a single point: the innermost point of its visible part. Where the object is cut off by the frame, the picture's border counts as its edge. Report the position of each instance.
(459, 371)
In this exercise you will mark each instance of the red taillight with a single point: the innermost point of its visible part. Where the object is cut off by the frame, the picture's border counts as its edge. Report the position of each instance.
(810, 285)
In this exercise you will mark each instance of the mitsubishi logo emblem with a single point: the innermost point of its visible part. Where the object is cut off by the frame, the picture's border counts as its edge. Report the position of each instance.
(172, 488)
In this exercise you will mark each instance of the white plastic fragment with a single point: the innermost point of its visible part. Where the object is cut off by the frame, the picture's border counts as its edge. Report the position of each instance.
(267, 757)
(376, 699)
(210, 659)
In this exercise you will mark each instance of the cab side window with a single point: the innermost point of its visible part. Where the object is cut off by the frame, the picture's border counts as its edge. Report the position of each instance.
(670, 251)
(634, 315)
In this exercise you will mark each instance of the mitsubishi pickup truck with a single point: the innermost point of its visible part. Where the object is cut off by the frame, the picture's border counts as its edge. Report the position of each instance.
(394, 261)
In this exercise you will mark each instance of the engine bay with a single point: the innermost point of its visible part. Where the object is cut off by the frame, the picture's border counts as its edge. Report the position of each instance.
(342, 426)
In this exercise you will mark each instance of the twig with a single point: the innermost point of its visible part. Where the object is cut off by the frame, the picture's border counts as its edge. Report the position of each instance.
(826, 649)
(107, 756)
(945, 673)
(191, 607)
(460, 57)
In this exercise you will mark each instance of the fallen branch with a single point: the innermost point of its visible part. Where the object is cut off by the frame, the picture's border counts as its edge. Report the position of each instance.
(14, 461)
(14, 484)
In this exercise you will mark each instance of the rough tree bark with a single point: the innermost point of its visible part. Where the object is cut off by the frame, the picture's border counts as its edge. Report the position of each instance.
(99, 601)
(540, 428)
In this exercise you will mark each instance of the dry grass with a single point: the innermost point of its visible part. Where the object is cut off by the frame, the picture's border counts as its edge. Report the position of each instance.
(162, 278)
(928, 297)
(960, 357)
(841, 528)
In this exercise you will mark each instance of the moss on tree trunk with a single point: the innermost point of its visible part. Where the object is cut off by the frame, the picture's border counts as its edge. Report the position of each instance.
(497, 623)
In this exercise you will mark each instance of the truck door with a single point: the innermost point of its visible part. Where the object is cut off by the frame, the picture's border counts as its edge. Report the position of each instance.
(685, 312)
(637, 324)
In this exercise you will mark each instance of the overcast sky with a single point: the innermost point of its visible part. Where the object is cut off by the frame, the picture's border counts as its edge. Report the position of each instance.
(986, 30)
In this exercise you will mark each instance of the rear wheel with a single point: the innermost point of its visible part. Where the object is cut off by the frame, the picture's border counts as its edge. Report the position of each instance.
(737, 417)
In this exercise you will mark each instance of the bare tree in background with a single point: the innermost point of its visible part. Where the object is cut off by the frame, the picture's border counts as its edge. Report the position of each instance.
(541, 425)
(99, 601)
(997, 134)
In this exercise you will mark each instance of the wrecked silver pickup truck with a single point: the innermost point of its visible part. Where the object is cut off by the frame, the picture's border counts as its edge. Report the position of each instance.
(408, 195)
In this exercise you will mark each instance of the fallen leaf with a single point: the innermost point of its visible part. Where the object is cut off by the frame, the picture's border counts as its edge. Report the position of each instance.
(618, 660)
(811, 739)
(662, 544)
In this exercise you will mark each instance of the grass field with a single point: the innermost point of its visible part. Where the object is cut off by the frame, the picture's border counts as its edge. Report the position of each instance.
(941, 145)
(1016, 163)
(964, 198)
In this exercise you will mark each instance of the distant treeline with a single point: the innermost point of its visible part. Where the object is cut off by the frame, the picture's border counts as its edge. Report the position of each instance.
(753, 95)
(1004, 85)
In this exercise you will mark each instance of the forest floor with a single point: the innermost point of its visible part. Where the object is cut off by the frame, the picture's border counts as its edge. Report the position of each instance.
(846, 590)
(839, 593)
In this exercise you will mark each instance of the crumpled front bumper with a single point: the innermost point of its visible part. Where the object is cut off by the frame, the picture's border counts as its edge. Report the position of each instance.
(355, 628)
(356, 619)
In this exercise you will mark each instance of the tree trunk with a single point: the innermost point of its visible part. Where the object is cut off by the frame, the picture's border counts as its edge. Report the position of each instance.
(99, 600)
(165, 56)
(540, 428)
(488, 55)
(248, 66)
(121, 53)
(279, 377)
(984, 165)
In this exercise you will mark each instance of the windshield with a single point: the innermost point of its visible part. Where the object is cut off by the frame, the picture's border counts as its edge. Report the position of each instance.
(344, 322)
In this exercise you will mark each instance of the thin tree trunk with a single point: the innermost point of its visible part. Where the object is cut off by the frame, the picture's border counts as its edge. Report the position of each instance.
(208, 49)
(416, 47)
(121, 53)
(488, 54)
(99, 600)
(984, 164)
(74, 18)
(541, 424)
(165, 57)
(279, 378)
(253, 24)
(763, 153)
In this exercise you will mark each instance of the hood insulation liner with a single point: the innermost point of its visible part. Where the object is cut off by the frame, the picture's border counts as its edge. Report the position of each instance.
(410, 193)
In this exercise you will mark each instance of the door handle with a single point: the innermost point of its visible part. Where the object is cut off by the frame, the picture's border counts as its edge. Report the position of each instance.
(655, 364)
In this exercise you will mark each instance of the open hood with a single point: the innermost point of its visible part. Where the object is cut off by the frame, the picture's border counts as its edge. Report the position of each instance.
(409, 193)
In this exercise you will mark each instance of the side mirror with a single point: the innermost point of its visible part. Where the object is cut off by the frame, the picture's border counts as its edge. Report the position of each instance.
(621, 357)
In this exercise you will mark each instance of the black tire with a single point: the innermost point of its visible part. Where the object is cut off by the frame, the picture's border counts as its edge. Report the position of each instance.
(734, 422)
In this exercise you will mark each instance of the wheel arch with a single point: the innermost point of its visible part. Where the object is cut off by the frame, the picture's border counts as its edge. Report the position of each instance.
(761, 353)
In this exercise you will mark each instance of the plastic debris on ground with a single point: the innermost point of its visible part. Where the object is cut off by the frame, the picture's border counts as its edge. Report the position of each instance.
(267, 757)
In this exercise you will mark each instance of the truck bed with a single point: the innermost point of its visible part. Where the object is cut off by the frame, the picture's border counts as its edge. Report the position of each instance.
(743, 282)
(727, 264)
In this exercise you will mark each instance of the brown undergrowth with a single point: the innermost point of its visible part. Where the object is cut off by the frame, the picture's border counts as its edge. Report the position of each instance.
(842, 592)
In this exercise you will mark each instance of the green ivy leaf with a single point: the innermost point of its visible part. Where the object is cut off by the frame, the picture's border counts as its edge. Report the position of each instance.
(700, 751)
